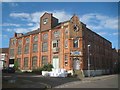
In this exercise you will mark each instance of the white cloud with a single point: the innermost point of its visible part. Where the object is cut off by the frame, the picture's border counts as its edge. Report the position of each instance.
(35, 18)
(93, 21)
(10, 24)
(20, 15)
(30, 24)
(18, 30)
(97, 21)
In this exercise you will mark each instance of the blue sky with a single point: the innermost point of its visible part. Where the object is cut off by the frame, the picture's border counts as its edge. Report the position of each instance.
(22, 17)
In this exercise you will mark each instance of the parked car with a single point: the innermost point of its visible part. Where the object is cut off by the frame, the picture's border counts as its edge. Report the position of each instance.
(8, 70)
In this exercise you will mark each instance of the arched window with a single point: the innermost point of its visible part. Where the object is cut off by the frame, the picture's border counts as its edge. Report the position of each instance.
(35, 38)
(45, 36)
(56, 34)
(66, 43)
(75, 43)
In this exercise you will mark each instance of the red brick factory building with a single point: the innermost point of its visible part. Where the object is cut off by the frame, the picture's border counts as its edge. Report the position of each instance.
(69, 45)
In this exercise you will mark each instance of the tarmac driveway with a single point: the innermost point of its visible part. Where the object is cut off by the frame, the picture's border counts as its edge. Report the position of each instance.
(29, 80)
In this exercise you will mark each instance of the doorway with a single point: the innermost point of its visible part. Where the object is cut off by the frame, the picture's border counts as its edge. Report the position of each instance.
(55, 63)
(76, 63)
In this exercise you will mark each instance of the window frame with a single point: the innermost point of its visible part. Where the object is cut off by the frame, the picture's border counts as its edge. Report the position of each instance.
(26, 50)
(34, 61)
(43, 60)
(45, 21)
(35, 38)
(35, 47)
(44, 46)
(26, 59)
(74, 45)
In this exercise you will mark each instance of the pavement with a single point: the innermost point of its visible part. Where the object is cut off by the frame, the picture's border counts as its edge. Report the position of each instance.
(86, 80)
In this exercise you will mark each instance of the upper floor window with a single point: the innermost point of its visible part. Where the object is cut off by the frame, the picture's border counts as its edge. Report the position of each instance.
(19, 50)
(66, 43)
(45, 36)
(44, 46)
(35, 47)
(45, 20)
(13, 42)
(35, 38)
(75, 43)
(56, 34)
(55, 43)
(19, 41)
(27, 40)
(66, 33)
(26, 50)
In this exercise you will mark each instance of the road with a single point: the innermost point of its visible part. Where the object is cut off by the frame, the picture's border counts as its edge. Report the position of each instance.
(38, 81)
(33, 81)
(110, 81)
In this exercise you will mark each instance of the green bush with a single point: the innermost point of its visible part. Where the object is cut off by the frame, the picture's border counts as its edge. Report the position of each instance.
(47, 67)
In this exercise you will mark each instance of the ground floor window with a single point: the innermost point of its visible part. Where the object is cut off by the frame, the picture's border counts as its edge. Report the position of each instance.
(34, 61)
(26, 62)
(18, 61)
(44, 60)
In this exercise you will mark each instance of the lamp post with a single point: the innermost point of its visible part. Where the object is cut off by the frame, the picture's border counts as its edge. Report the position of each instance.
(88, 61)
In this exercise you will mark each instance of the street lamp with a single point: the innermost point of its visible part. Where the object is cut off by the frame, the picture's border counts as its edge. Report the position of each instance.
(88, 60)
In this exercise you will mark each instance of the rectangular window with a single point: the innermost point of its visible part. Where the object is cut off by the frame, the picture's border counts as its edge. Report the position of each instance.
(19, 50)
(26, 62)
(18, 61)
(66, 60)
(12, 52)
(55, 43)
(26, 51)
(75, 43)
(44, 60)
(35, 47)
(45, 47)
(34, 61)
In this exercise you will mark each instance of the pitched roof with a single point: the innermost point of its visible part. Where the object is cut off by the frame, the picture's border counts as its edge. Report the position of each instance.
(31, 32)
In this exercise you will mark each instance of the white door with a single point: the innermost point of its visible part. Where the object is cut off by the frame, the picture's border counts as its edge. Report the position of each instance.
(76, 64)
(56, 63)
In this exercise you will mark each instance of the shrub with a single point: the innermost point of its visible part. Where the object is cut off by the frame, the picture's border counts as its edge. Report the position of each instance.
(47, 67)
